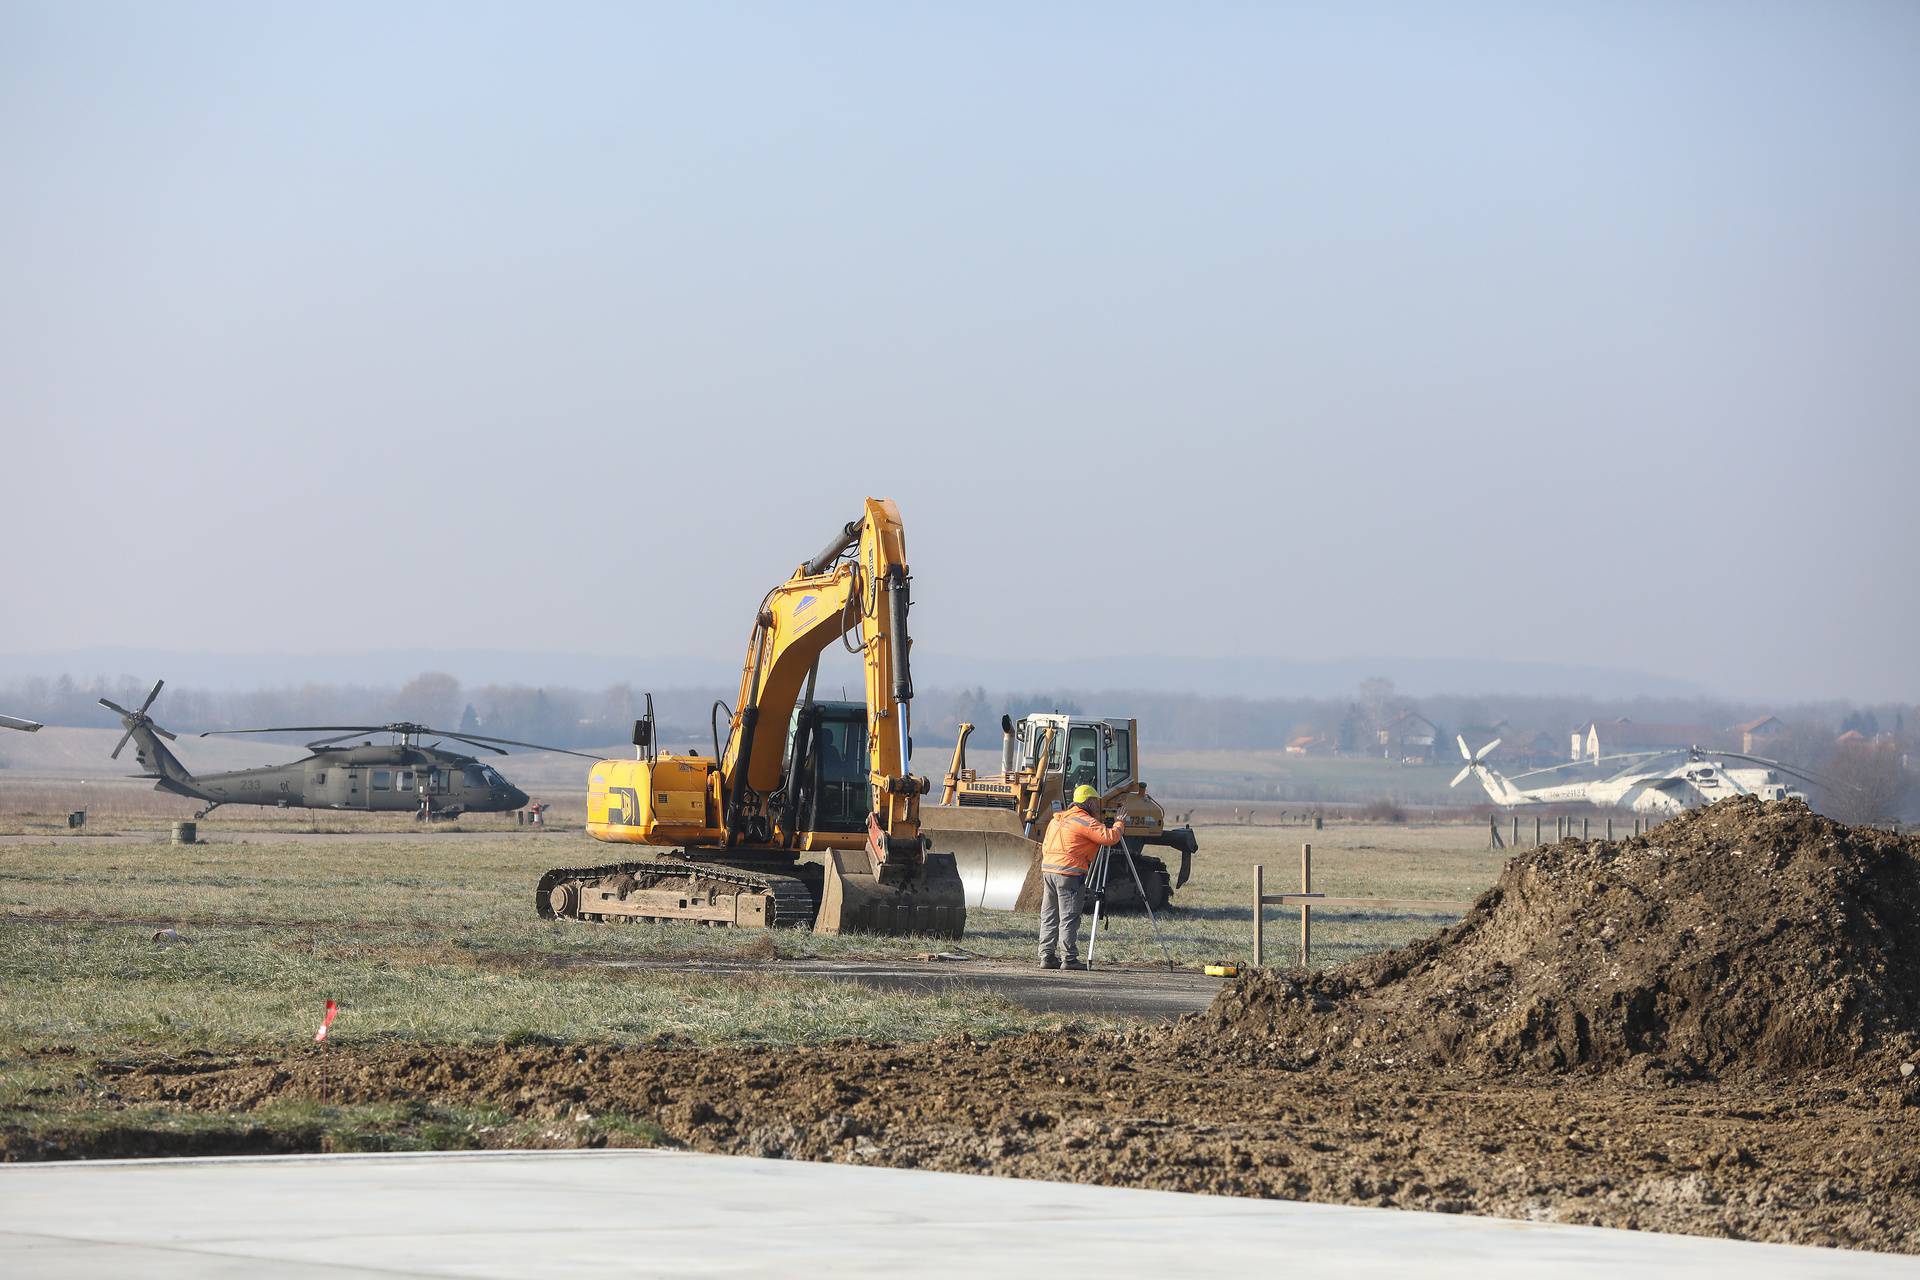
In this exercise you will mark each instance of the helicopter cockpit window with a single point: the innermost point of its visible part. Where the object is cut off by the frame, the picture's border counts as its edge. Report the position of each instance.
(382, 779)
(475, 776)
(493, 779)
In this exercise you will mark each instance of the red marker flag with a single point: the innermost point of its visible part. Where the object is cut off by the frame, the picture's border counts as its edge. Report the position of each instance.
(321, 1034)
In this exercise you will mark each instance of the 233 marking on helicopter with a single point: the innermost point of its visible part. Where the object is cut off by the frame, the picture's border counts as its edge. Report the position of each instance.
(398, 777)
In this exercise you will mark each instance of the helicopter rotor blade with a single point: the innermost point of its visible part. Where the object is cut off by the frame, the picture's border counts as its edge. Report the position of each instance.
(157, 686)
(484, 746)
(1460, 777)
(512, 742)
(481, 739)
(323, 743)
(1772, 764)
(406, 728)
(121, 745)
(115, 707)
(303, 728)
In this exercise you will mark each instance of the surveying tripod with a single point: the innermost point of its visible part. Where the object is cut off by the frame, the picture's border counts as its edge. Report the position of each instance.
(1097, 890)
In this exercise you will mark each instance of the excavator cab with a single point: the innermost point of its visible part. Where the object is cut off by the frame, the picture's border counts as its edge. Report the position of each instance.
(834, 792)
(1094, 753)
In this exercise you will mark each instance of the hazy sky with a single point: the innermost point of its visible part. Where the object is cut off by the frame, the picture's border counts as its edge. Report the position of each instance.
(1587, 334)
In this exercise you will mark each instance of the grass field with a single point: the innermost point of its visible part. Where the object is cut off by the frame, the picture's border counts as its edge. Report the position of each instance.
(38, 803)
(1276, 779)
(432, 939)
(435, 936)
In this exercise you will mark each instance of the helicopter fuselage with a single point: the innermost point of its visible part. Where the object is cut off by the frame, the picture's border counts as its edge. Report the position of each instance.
(393, 779)
(401, 776)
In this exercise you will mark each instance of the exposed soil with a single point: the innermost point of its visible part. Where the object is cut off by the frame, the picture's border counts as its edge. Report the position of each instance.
(1708, 1030)
(1745, 940)
(1819, 1165)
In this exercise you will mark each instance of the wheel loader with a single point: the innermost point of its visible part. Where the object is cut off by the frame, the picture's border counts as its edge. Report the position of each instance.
(993, 823)
(794, 777)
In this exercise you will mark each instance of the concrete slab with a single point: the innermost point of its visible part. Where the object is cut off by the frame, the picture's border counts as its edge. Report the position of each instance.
(559, 1214)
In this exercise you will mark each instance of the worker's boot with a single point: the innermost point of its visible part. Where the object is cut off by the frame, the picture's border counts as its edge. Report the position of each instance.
(1074, 964)
(1049, 962)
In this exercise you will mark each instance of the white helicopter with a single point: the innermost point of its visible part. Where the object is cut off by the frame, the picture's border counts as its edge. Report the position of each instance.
(1662, 783)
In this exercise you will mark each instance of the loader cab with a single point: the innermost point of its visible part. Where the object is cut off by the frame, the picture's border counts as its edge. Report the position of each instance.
(835, 792)
(1096, 753)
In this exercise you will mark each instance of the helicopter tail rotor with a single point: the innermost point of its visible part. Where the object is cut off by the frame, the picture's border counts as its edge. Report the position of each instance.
(1476, 760)
(137, 719)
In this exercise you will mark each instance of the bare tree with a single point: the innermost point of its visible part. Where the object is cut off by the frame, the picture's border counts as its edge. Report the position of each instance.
(432, 697)
(1803, 746)
(1866, 783)
(1376, 698)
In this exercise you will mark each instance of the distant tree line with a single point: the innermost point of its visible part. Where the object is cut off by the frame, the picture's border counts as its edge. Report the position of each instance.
(568, 717)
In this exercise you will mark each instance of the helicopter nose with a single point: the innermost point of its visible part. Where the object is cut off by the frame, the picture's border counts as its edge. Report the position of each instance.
(516, 798)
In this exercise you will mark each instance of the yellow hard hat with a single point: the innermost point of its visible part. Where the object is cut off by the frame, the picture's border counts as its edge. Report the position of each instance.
(1083, 793)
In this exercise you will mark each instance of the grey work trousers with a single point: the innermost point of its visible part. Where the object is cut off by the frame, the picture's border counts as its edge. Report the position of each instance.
(1060, 898)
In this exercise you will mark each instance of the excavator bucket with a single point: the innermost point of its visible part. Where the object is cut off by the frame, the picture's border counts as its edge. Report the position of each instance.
(859, 897)
(993, 858)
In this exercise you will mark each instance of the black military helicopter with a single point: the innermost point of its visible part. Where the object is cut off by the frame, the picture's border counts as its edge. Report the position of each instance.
(398, 777)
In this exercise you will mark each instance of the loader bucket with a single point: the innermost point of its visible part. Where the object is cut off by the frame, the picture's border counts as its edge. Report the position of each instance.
(992, 856)
(858, 898)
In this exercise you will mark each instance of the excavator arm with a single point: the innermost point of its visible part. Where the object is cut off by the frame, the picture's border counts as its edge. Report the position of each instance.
(857, 585)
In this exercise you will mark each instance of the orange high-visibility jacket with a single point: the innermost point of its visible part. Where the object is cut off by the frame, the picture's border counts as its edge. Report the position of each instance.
(1072, 839)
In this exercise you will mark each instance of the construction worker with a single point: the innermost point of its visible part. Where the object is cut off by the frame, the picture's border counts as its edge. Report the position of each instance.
(1073, 839)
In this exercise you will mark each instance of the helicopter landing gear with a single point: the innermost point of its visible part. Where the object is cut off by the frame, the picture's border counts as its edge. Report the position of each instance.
(209, 809)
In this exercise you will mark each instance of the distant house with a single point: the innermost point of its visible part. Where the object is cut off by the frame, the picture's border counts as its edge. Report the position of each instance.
(1756, 734)
(1409, 737)
(1479, 735)
(1612, 737)
(1310, 744)
(1529, 749)
(1852, 738)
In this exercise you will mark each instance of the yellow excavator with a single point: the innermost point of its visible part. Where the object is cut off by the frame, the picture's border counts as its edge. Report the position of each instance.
(733, 827)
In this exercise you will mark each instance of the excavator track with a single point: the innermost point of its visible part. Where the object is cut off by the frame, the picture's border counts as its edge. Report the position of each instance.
(602, 894)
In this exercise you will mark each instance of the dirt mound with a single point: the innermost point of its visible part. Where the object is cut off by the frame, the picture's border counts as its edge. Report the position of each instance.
(1743, 938)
